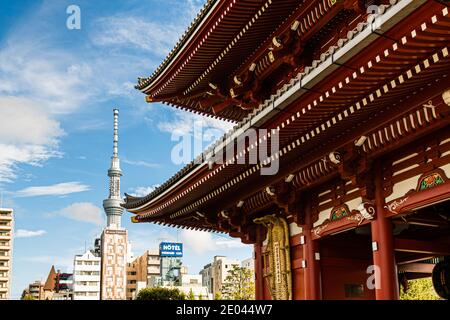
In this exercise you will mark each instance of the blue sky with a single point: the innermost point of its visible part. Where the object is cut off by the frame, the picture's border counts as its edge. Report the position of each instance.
(57, 91)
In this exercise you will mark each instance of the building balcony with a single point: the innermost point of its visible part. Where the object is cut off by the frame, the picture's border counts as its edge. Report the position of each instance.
(5, 218)
(3, 237)
(5, 228)
(87, 268)
(87, 279)
(82, 288)
(5, 248)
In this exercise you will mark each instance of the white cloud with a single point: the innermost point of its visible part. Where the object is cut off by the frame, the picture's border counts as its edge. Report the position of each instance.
(11, 156)
(22, 233)
(50, 77)
(201, 241)
(59, 189)
(28, 135)
(143, 191)
(140, 163)
(148, 238)
(37, 83)
(136, 32)
(82, 211)
(184, 123)
(23, 122)
(42, 83)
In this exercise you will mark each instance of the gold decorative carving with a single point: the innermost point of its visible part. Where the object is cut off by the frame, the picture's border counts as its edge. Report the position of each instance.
(446, 97)
(277, 257)
(393, 205)
(271, 56)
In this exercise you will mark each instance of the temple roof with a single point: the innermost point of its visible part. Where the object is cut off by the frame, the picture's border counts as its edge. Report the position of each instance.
(350, 76)
(223, 41)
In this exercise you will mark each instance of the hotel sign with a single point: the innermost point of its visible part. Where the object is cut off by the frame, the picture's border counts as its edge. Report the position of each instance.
(170, 249)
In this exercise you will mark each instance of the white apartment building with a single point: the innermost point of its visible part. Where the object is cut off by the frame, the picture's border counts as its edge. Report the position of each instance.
(215, 273)
(86, 276)
(193, 283)
(6, 238)
(248, 264)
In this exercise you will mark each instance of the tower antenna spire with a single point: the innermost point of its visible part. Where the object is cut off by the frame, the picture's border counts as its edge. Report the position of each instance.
(112, 205)
(116, 134)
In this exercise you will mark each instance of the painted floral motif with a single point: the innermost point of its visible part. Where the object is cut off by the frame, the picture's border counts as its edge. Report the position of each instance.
(431, 181)
(338, 213)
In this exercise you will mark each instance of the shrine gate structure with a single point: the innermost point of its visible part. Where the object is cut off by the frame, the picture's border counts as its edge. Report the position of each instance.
(355, 96)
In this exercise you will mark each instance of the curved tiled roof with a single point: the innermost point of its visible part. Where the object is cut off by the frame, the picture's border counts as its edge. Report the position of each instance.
(134, 202)
(142, 83)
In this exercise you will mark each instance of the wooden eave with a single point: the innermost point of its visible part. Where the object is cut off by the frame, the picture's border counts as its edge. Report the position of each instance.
(230, 37)
(315, 108)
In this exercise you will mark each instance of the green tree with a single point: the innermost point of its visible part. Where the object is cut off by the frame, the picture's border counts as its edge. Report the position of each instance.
(419, 289)
(200, 297)
(159, 293)
(191, 295)
(239, 284)
(28, 297)
(218, 296)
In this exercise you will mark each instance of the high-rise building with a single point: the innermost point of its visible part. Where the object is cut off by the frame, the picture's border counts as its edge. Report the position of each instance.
(114, 239)
(215, 273)
(143, 271)
(207, 278)
(6, 238)
(34, 290)
(86, 276)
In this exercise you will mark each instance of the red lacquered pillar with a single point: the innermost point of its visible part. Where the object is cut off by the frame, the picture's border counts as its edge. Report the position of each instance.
(386, 282)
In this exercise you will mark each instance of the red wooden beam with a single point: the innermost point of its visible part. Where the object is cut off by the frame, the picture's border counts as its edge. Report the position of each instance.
(419, 246)
(417, 267)
(413, 258)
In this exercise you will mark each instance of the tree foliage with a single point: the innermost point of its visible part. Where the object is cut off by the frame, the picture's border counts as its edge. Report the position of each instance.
(238, 285)
(159, 293)
(419, 289)
(191, 295)
(28, 297)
